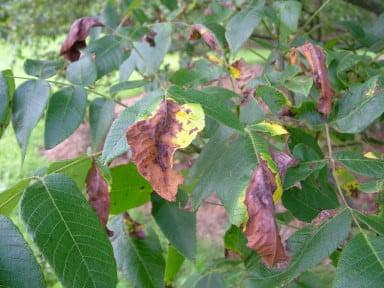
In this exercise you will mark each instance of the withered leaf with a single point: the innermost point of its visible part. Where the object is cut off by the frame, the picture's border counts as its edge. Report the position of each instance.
(77, 34)
(199, 31)
(98, 193)
(316, 59)
(154, 141)
(261, 230)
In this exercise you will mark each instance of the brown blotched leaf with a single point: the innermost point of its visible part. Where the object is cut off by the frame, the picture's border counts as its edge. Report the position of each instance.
(134, 227)
(199, 31)
(154, 141)
(77, 34)
(98, 194)
(316, 59)
(283, 161)
(262, 231)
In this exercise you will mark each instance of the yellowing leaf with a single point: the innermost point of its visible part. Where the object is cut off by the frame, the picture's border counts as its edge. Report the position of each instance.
(370, 155)
(235, 72)
(192, 119)
(347, 181)
(271, 128)
(154, 141)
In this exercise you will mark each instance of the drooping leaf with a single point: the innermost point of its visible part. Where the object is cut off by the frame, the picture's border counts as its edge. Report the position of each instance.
(223, 167)
(65, 113)
(362, 105)
(174, 262)
(361, 165)
(212, 105)
(116, 141)
(77, 247)
(101, 113)
(29, 102)
(42, 68)
(108, 54)
(10, 197)
(76, 169)
(77, 34)
(240, 27)
(98, 193)
(308, 247)
(129, 189)
(361, 263)
(261, 230)
(139, 259)
(199, 31)
(7, 88)
(83, 72)
(154, 141)
(374, 222)
(18, 267)
(178, 226)
(316, 59)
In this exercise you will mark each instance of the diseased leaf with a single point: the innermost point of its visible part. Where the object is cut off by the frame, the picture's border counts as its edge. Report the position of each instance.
(7, 88)
(154, 141)
(362, 105)
(18, 267)
(77, 34)
(316, 59)
(200, 31)
(262, 231)
(98, 193)
(29, 103)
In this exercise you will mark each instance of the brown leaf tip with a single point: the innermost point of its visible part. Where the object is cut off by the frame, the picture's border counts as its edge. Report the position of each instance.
(261, 230)
(77, 34)
(199, 31)
(316, 59)
(152, 147)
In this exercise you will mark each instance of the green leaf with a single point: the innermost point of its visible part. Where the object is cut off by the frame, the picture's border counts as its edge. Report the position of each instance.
(362, 105)
(82, 72)
(302, 171)
(273, 97)
(179, 226)
(360, 164)
(212, 105)
(140, 260)
(129, 189)
(289, 13)
(127, 85)
(234, 240)
(68, 233)
(242, 24)
(306, 203)
(101, 113)
(187, 77)
(174, 262)
(29, 102)
(65, 113)
(361, 263)
(223, 167)
(211, 280)
(309, 246)
(42, 68)
(76, 169)
(300, 84)
(116, 142)
(374, 222)
(7, 88)
(18, 267)
(108, 53)
(10, 197)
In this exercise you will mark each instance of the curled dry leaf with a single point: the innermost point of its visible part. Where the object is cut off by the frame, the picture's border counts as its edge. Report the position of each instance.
(199, 31)
(77, 34)
(98, 194)
(154, 141)
(316, 59)
(261, 230)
